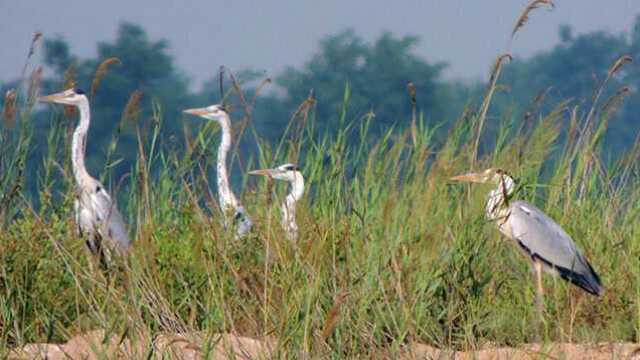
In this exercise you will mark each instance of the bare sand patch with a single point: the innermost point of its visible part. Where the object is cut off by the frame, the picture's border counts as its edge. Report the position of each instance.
(567, 351)
(94, 345)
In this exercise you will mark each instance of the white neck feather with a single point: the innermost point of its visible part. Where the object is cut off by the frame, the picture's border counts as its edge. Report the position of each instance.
(225, 195)
(79, 143)
(288, 209)
(497, 208)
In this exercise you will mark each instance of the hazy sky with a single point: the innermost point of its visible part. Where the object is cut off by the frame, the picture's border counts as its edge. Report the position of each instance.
(270, 35)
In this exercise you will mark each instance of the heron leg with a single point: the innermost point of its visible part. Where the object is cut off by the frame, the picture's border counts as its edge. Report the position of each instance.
(539, 299)
(98, 253)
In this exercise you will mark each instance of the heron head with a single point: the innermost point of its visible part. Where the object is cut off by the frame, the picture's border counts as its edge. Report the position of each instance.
(491, 175)
(72, 96)
(287, 172)
(212, 112)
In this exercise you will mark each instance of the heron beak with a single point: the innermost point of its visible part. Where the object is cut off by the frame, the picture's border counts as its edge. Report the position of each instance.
(197, 112)
(470, 177)
(262, 172)
(53, 98)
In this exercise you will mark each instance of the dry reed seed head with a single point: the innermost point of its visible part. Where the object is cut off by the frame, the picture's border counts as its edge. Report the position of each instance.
(69, 82)
(36, 36)
(619, 64)
(132, 109)
(412, 91)
(537, 100)
(34, 84)
(308, 103)
(10, 107)
(498, 64)
(70, 77)
(269, 193)
(614, 102)
(333, 316)
(262, 84)
(101, 71)
(503, 57)
(524, 17)
(221, 81)
(311, 98)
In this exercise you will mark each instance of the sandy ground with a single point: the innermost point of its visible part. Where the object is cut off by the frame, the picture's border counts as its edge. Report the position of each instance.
(93, 345)
(533, 351)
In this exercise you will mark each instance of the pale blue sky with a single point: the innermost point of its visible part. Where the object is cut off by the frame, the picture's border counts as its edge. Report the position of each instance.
(270, 35)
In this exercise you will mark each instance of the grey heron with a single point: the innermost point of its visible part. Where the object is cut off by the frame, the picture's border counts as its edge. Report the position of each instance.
(292, 174)
(228, 201)
(546, 244)
(96, 215)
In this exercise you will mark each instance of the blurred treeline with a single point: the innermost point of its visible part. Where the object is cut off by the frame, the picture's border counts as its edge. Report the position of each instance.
(375, 75)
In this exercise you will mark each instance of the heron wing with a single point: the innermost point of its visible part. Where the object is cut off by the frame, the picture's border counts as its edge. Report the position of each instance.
(112, 225)
(544, 240)
(83, 219)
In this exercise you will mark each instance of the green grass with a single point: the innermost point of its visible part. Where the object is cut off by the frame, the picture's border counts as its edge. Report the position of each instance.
(389, 252)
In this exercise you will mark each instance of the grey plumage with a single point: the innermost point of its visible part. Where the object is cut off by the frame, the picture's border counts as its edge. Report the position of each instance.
(545, 241)
(548, 246)
(98, 219)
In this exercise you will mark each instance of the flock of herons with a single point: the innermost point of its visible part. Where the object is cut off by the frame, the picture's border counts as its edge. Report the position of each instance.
(544, 242)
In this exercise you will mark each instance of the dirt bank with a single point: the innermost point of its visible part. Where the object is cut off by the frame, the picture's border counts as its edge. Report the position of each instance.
(94, 345)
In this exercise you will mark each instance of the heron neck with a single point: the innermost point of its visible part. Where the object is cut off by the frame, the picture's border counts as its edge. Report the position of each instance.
(225, 195)
(79, 144)
(289, 206)
(497, 201)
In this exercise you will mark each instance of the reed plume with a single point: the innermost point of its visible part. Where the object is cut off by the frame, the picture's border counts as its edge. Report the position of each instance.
(69, 77)
(132, 109)
(34, 84)
(524, 17)
(10, 109)
(101, 71)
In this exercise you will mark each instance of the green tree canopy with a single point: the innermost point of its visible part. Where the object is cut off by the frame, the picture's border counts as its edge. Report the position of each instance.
(573, 69)
(146, 66)
(377, 74)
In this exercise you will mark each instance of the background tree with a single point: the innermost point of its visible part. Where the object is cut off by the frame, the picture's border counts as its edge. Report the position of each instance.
(146, 66)
(377, 75)
(574, 69)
